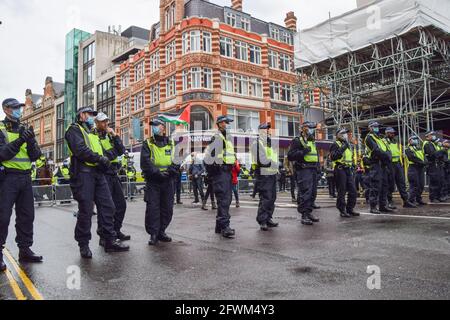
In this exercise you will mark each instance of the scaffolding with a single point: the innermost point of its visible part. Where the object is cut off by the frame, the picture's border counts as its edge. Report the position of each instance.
(403, 82)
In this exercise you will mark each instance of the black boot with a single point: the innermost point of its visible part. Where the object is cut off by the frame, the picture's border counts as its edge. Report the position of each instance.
(238, 205)
(153, 241)
(228, 233)
(421, 203)
(163, 237)
(123, 237)
(374, 210)
(385, 209)
(218, 230)
(353, 213)
(408, 204)
(115, 246)
(204, 206)
(214, 206)
(26, 255)
(313, 218)
(2, 264)
(85, 252)
(344, 214)
(306, 220)
(272, 224)
(392, 206)
(264, 226)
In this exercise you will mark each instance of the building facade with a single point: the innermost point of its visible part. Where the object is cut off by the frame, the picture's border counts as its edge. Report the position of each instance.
(40, 113)
(218, 60)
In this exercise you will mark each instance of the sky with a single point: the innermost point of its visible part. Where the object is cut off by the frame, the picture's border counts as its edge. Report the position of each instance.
(32, 33)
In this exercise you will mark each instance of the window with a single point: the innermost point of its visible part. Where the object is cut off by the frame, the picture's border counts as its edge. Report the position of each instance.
(170, 52)
(274, 91)
(207, 78)
(185, 43)
(207, 47)
(171, 86)
(185, 79)
(88, 75)
(245, 23)
(139, 71)
(288, 126)
(227, 79)
(244, 120)
(154, 62)
(231, 19)
(200, 119)
(169, 16)
(242, 85)
(286, 37)
(139, 101)
(154, 94)
(275, 34)
(89, 53)
(311, 97)
(273, 59)
(255, 54)
(88, 97)
(126, 136)
(241, 50)
(285, 62)
(125, 80)
(196, 78)
(226, 47)
(256, 87)
(286, 93)
(125, 107)
(195, 41)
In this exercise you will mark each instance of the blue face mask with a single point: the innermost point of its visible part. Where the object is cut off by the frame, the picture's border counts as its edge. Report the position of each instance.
(311, 132)
(90, 121)
(376, 130)
(156, 131)
(17, 113)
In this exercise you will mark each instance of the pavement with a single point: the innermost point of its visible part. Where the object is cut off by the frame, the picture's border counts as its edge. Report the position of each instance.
(331, 260)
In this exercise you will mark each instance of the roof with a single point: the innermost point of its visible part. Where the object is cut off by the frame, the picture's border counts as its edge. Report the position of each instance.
(36, 98)
(59, 89)
(136, 32)
(367, 25)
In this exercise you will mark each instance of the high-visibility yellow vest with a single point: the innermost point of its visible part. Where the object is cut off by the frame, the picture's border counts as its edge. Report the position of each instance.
(33, 174)
(418, 152)
(22, 160)
(395, 151)
(228, 156)
(436, 146)
(161, 157)
(107, 146)
(381, 144)
(312, 156)
(346, 159)
(92, 142)
(270, 155)
(66, 173)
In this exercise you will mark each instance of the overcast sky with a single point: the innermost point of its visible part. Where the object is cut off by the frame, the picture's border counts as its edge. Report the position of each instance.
(32, 32)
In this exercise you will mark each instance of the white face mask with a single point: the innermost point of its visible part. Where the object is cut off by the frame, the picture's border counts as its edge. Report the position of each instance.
(345, 137)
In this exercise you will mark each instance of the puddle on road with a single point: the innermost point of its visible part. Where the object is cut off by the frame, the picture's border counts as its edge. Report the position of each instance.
(322, 276)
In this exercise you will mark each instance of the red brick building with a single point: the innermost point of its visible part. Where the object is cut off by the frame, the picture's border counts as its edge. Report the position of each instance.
(219, 60)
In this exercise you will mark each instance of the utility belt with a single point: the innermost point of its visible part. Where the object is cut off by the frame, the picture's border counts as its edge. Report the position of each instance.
(305, 165)
(342, 167)
(7, 171)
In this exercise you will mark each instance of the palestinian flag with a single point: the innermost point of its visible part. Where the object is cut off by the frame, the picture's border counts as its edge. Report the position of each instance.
(178, 119)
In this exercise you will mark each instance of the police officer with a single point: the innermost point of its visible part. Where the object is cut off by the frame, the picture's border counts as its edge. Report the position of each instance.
(157, 163)
(219, 159)
(113, 148)
(380, 158)
(417, 163)
(265, 162)
(435, 170)
(446, 148)
(88, 184)
(18, 149)
(303, 151)
(396, 176)
(341, 154)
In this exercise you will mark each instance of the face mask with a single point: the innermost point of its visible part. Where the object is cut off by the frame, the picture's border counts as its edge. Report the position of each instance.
(433, 138)
(376, 130)
(414, 142)
(156, 131)
(17, 113)
(345, 137)
(311, 132)
(90, 121)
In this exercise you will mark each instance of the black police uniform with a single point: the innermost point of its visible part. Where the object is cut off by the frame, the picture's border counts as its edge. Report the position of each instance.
(89, 186)
(306, 175)
(341, 154)
(416, 170)
(15, 185)
(159, 194)
(435, 170)
(112, 149)
(266, 176)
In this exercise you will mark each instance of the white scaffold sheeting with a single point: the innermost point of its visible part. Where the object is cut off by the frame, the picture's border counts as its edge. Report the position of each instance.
(374, 23)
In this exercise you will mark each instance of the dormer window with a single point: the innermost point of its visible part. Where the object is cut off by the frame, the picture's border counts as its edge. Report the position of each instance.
(231, 19)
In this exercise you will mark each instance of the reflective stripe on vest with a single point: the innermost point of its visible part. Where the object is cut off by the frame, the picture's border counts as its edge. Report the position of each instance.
(21, 161)
(92, 142)
(313, 156)
(106, 144)
(161, 157)
(381, 144)
(228, 155)
(347, 157)
(66, 173)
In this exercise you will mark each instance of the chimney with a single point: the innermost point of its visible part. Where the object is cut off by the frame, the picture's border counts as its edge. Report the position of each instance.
(291, 21)
(236, 4)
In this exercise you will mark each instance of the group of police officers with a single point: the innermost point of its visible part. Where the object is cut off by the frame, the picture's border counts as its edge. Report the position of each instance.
(94, 165)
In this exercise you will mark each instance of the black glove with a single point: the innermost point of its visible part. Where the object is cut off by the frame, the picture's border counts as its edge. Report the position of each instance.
(28, 134)
(165, 174)
(104, 161)
(307, 150)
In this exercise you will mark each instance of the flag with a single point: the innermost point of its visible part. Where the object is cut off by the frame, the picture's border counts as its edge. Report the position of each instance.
(178, 119)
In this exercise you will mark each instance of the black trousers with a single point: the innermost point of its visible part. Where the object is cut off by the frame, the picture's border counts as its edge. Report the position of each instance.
(209, 192)
(366, 183)
(159, 197)
(89, 188)
(255, 188)
(331, 186)
(447, 182)
(358, 181)
(115, 188)
(222, 186)
(345, 183)
(436, 174)
(397, 178)
(282, 182)
(307, 189)
(416, 180)
(379, 186)
(197, 185)
(267, 197)
(16, 189)
(293, 185)
(177, 187)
